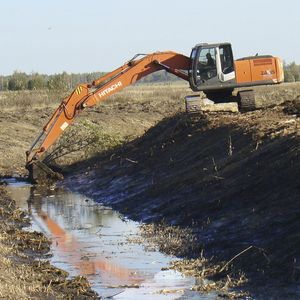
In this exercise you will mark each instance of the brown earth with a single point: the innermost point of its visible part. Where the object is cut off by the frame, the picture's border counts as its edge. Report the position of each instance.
(232, 178)
(126, 115)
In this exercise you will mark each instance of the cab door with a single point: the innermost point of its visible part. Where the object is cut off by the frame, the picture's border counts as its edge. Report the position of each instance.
(203, 71)
(226, 68)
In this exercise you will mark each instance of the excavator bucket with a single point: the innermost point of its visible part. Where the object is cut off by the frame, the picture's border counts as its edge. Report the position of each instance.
(40, 173)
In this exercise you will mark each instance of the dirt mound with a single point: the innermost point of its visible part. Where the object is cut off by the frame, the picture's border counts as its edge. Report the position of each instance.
(234, 179)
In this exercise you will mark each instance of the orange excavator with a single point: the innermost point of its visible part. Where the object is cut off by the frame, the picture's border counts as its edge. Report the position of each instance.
(210, 68)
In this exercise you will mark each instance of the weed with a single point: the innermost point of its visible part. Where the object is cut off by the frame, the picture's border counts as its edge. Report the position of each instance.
(83, 140)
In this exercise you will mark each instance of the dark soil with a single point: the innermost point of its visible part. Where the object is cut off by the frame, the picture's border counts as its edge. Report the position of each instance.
(233, 178)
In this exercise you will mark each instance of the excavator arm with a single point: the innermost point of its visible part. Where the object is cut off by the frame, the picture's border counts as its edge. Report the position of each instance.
(88, 95)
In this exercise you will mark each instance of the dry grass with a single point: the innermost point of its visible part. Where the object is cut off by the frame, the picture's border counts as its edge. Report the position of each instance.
(81, 141)
(152, 99)
(44, 98)
(142, 93)
(25, 281)
(276, 94)
(157, 92)
(10, 100)
(22, 276)
(203, 269)
(174, 240)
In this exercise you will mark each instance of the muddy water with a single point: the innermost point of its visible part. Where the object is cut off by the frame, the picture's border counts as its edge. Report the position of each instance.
(92, 240)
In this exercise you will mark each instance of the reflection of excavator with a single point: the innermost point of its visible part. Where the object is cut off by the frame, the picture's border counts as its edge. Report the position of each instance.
(210, 68)
(73, 251)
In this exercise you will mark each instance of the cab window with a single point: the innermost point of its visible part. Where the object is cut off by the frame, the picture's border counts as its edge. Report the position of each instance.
(207, 57)
(206, 67)
(226, 59)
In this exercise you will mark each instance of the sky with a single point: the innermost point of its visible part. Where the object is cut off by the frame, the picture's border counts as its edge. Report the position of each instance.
(52, 36)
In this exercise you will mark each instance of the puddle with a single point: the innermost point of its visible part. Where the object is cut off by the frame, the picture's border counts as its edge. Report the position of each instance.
(91, 240)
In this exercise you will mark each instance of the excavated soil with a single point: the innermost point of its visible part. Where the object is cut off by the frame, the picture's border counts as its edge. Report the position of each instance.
(231, 179)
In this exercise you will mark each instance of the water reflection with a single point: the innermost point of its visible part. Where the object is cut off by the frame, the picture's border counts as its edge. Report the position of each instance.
(89, 239)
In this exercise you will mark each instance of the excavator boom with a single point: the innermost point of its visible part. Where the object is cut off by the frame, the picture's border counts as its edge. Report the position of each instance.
(211, 69)
(88, 95)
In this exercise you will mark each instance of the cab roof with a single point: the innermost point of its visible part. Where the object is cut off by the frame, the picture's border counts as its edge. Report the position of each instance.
(211, 45)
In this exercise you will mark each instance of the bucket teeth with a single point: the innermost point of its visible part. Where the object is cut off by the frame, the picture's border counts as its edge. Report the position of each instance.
(40, 173)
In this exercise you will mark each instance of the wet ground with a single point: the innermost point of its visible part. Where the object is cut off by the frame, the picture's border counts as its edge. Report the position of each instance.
(92, 240)
(233, 179)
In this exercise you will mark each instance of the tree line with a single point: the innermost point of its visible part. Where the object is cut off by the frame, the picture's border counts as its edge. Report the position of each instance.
(291, 72)
(35, 81)
(65, 81)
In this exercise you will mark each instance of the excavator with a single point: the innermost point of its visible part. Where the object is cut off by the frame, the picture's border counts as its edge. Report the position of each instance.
(211, 69)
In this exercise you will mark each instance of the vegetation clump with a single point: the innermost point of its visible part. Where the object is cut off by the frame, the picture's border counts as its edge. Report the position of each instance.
(83, 140)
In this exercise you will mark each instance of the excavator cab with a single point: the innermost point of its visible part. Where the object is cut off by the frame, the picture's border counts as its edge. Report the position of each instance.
(212, 67)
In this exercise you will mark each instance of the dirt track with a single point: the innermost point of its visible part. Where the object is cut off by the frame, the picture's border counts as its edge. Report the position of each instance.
(232, 178)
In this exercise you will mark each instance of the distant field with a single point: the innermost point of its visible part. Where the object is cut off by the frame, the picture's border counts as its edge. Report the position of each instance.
(276, 94)
(155, 93)
(43, 98)
(29, 99)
